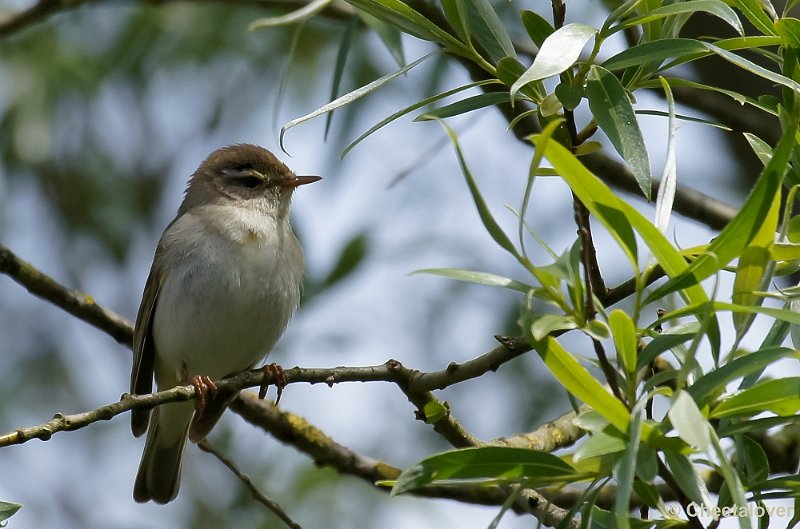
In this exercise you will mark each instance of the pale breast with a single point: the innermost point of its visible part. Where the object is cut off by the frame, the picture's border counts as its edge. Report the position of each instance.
(223, 306)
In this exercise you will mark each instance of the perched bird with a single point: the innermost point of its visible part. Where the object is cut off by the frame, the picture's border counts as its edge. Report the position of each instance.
(225, 280)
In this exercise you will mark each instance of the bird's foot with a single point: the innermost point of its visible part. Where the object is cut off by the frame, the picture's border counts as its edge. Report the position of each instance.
(204, 388)
(280, 381)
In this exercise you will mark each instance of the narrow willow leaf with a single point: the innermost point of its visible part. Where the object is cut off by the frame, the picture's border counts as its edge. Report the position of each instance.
(732, 481)
(305, 12)
(653, 52)
(625, 470)
(683, 117)
(411, 108)
(481, 278)
(754, 12)
(578, 381)
(487, 462)
(614, 114)
(338, 70)
(715, 381)
(712, 7)
(408, 19)
(558, 52)
(488, 30)
(780, 396)
(455, 12)
(754, 68)
(489, 223)
(625, 339)
(692, 427)
(669, 180)
(352, 96)
(391, 36)
(465, 105)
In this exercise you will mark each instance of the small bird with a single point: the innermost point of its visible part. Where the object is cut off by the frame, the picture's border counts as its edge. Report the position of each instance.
(225, 280)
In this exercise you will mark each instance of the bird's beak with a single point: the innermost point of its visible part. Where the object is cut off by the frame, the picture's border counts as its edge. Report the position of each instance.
(300, 181)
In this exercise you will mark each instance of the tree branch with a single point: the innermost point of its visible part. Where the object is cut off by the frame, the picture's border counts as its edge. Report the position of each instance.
(79, 304)
(295, 431)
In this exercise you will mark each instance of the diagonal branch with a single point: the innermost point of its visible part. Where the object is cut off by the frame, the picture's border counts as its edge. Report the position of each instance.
(79, 304)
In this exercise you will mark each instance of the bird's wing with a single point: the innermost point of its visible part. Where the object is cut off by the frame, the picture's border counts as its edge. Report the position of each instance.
(143, 345)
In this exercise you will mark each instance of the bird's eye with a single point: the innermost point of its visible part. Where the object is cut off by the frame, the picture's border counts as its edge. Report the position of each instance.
(250, 182)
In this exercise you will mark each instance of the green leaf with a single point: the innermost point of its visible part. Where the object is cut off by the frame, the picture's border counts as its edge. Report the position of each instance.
(299, 15)
(753, 425)
(411, 108)
(669, 338)
(488, 30)
(758, 216)
(391, 36)
(614, 114)
(625, 469)
(687, 478)
(455, 12)
(625, 340)
(599, 444)
(692, 427)
(409, 20)
(597, 329)
(481, 278)
(8, 509)
(620, 218)
(544, 324)
(537, 26)
(731, 480)
(653, 52)
(647, 464)
(569, 95)
(489, 223)
(485, 463)
(669, 179)
(750, 272)
(352, 96)
(755, 461)
(780, 396)
(713, 7)
(465, 105)
(579, 382)
(351, 256)
(754, 68)
(338, 69)
(754, 12)
(760, 147)
(715, 381)
(789, 30)
(558, 52)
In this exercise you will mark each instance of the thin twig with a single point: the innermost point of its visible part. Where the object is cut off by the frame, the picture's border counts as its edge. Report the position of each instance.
(259, 496)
